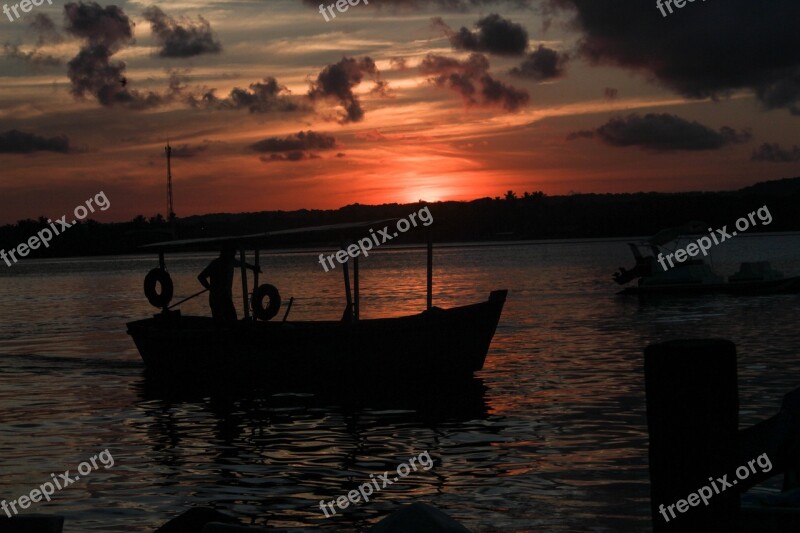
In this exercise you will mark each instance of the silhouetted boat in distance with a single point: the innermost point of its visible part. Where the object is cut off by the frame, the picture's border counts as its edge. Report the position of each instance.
(436, 343)
(695, 276)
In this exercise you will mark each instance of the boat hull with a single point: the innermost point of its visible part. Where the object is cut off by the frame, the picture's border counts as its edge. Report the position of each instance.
(438, 342)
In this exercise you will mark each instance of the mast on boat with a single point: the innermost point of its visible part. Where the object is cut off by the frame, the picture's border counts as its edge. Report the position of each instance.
(170, 210)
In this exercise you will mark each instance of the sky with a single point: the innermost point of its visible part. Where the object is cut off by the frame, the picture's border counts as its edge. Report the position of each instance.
(267, 105)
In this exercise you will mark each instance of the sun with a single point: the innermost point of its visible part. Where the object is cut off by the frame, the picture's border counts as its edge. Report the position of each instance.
(430, 193)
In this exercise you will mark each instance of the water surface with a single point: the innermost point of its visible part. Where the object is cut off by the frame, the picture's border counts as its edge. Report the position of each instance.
(551, 437)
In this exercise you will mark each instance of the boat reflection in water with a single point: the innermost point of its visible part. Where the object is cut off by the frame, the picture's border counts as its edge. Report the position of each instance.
(273, 456)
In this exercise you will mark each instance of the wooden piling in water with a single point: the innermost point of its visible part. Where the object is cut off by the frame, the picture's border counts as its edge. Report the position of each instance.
(693, 417)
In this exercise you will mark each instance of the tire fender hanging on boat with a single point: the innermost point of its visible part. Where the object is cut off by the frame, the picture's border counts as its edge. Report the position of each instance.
(158, 276)
(268, 312)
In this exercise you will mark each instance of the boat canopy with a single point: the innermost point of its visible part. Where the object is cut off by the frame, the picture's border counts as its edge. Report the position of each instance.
(255, 237)
(670, 234)
(346, 231)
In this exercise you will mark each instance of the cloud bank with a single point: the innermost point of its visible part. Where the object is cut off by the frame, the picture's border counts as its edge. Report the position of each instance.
(717, 48)
(106, 30)
(336, 82)
(494, 35)
(264, 96)
(542, 64)
(471, 79)
(21, 142)
(184, 37)
(296, 147)
(662, 133)
(775, 153)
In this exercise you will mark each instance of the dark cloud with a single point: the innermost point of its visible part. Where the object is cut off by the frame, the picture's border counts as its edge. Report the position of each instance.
(187, 151)
(182, 37)
(542, 64)
(108, 26)
(261, 97)
(21, 142)
(705, 49)
(382, 88)
(731, 136)
(288, 156)
(784, 93)
(336, 82)
(46, 29)
(470, 78)
(304, 140)
(106, 30)
(610, 93)
(445, 5)
(92, 72)
(497, 92)
(34, 57)
(399, 63)
(582, 134)
(774, 153)
(494, 35)
(662, 133)
(296, 147)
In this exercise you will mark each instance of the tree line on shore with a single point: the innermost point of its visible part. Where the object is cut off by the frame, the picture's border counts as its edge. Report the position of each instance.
(525, 216)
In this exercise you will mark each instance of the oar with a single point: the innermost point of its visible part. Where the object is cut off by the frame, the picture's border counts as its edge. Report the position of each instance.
(187, 299)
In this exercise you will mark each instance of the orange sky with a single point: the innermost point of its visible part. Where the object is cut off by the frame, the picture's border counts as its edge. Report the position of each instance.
(415, 140)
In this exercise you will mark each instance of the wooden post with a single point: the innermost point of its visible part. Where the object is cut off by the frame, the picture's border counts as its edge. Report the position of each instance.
(693, 418)
(430, 270)
(245, 299)
(356, 298)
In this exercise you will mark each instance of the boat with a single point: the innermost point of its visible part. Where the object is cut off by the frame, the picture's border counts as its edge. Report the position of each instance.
(695, 276)
(435, 343)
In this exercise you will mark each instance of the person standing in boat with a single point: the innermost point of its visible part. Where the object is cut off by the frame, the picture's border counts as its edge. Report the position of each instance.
(217, 277)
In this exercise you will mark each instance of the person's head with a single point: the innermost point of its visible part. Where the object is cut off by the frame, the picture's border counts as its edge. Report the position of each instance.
(228, 251)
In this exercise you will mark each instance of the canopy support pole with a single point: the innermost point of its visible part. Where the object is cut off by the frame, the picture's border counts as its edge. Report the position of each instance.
(243, 268)
(255, 272)
(349, 297)
(356, 298)
(255, 275)
(163, 266)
